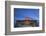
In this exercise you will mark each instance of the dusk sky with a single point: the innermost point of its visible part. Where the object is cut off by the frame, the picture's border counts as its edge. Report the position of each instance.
(20, 13)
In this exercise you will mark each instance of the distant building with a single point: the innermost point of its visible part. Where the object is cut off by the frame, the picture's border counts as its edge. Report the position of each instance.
(26, 22)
